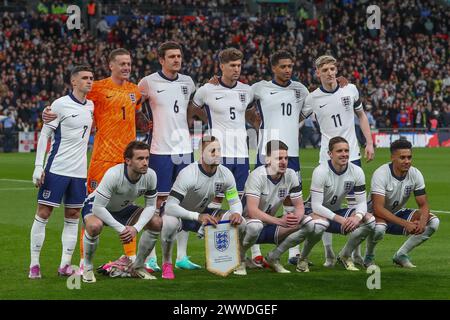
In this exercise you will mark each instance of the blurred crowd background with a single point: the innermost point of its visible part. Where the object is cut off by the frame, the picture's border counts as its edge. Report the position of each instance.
(401, 70)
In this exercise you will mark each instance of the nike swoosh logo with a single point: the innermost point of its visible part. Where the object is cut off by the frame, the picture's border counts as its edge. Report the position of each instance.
(273, 92)
(195, 190)
(107, 97)
(264, 194)
(218, 98)
(323, 105)
(159, 91)
(74, 115)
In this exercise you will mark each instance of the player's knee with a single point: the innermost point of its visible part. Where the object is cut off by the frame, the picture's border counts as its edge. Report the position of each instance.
(253, 228)
(370, 223)
(44, 211)
(170, 225)
(320, 226)
(94, 228)
(155, 224)
(72, 213)
(433, 224)
(379, 231)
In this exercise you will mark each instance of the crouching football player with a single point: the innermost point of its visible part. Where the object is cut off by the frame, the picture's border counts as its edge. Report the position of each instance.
(194, 189)
(265, 191)
(392, 185)
(331, 182)
(112, 204)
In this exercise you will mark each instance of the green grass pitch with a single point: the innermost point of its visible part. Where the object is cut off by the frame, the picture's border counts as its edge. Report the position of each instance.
(430, 280)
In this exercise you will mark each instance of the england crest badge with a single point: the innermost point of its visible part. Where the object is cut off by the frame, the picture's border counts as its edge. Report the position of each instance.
(46, 194)
(346, 102)
(221, 240)
(348, 186)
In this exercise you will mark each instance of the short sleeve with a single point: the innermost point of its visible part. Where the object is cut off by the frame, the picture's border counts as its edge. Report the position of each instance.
(360, 181)
(357, 105)
(56, 108)
(295, 190)
(378, 184)
(307, 106)
(182, 184)
(107, 186)
(255, 92)
(200, 97)
(151, 188)
(251, 97)
(192, 85)
(318, 180)
(253, 185)
(419, 188)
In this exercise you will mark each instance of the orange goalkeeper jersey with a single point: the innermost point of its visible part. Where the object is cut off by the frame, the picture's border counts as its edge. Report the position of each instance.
(114, 116)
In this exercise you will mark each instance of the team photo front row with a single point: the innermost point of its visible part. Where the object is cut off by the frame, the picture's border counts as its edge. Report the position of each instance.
(195, 200)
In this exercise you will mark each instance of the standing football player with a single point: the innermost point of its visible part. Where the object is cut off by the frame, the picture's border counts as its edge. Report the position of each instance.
(64, 174)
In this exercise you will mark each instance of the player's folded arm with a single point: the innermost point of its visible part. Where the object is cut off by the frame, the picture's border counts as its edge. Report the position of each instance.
(99, 210)
(253, 211)
(378, 202)
(148, 212)
(173, 207)
(317, 205)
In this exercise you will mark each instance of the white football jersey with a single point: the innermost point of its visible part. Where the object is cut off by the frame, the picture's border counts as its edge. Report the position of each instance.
(120, 192)
(169, 100)
(396, 190)
(336, 117)
(226, 108)
(335, 186)
(271, 193)
(280, 109)
(70, 137)
(195, 188)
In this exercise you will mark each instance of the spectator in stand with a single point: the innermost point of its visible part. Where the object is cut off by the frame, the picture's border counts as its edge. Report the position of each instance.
(433, 124)
(9, 124)
(403, 119)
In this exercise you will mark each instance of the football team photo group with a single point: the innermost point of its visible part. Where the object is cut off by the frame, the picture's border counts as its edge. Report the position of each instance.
(146, 184)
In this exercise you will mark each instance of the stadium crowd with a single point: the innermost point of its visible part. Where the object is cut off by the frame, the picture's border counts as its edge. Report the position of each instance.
(401, 70)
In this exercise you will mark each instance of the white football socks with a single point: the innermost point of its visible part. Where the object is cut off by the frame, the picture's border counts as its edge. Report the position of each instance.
(356, 237)
(37, 238)
(69, 240)
(182, 242)
(146, 244)
(90, 246)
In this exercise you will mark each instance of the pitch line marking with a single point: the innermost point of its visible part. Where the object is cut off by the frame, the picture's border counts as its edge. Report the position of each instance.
(16, 180)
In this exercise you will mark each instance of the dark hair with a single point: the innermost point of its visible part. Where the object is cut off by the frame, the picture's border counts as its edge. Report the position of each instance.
(274, 145)
(134, 145)
(168, 45)
(118, 52)
(400, 144)
(230, 54)
(207, 139)
(280, 54)
(80, 68)
(334, 141)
